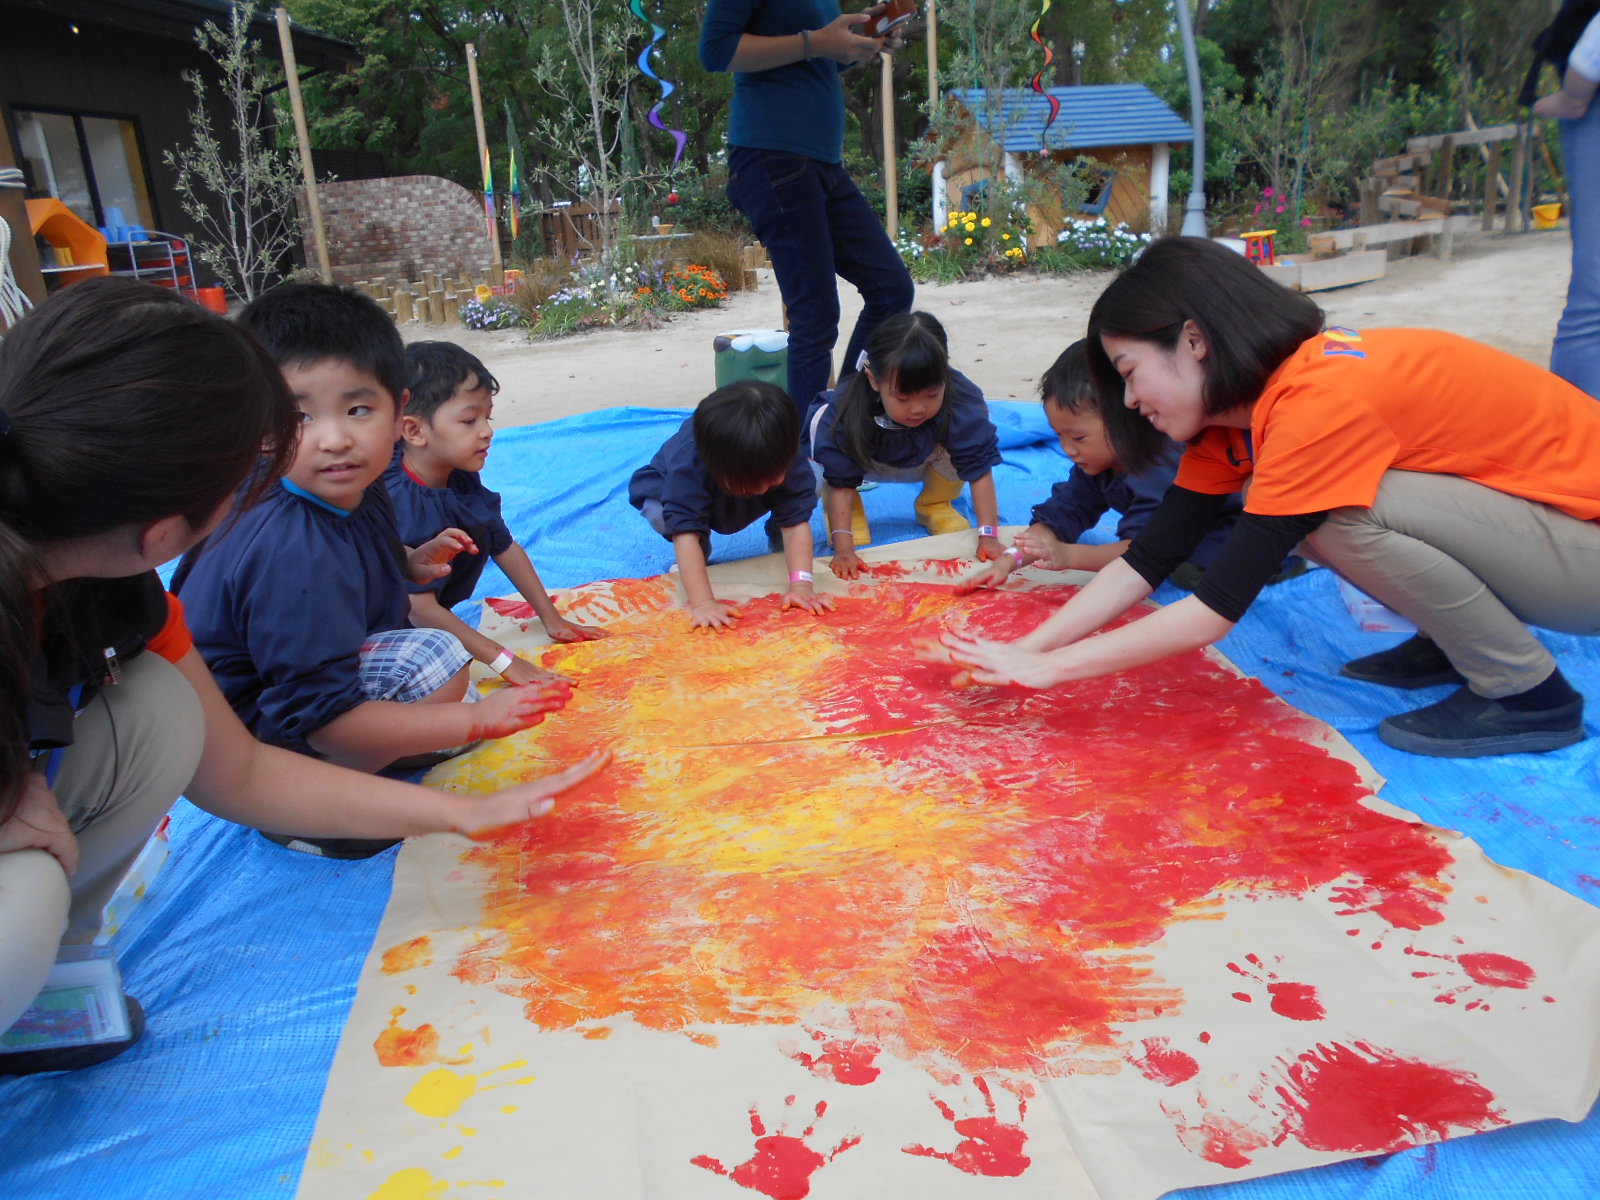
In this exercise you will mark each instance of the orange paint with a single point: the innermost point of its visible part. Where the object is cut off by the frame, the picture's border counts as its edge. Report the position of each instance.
(804, 818)
(407, 956)
(400, 1047)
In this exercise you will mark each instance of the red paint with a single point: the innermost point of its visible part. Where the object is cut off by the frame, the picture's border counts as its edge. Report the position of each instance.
(1218, 1139)
(517, 610)
(949, 566)
(989, 1146)
(782, 1165)
(845, 1061)
(1164, 1065)
(1245, 997)
(1297, 1001)
(1496, 970)
(1364, 1100)
(1204, 1037)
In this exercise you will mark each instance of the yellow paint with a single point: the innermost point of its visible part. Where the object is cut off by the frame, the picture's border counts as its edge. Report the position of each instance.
(440, 1093)
(453, 1152)
(508, 1109)
(412, 1183)
(321, 1155)
(466, 1131)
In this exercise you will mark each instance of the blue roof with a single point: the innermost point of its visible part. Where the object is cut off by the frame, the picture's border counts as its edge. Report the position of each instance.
(1112, 114)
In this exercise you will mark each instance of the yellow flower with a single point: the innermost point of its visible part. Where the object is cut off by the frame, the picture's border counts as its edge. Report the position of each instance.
(1006, 236)
(969, 241)
(987, 222)
(482, 292)
(971, 227)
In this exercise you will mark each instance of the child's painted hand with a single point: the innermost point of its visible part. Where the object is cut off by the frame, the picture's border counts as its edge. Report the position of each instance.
(713, 614)
(1045, 549)
(803, 596)
(997, 664)
(847, 564)
(513, 709)
(992, 575)
(564, 631)
(491, 814)
(431, 560)
(989, 549)
(522, 672)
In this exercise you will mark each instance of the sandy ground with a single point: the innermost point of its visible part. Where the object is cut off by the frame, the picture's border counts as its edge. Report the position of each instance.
(1506, 290)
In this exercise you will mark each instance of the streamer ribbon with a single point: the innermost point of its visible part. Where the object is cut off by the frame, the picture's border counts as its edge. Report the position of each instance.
(488, 192)
(1038, 80)
(667, 86)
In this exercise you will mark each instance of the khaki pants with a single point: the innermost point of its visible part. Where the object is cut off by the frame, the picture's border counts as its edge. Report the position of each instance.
(135, 749)
(1472, 568)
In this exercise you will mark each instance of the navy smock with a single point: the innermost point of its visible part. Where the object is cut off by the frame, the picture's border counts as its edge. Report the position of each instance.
(962, 426)
(691, 501)
(422, 512)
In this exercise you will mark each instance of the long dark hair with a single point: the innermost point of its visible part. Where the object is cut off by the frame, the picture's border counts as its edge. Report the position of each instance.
(909, 349)
(1250, 324)
(123, 404)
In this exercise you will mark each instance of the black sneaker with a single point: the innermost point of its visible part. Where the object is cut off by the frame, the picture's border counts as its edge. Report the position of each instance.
(350, 849)
(74, 1058)
(1416, 662)
(1466, 725)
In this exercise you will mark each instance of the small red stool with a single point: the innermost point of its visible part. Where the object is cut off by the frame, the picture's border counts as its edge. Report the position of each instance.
(1260, 248)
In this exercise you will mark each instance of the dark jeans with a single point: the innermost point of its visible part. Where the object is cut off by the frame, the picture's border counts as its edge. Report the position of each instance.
(816, 224)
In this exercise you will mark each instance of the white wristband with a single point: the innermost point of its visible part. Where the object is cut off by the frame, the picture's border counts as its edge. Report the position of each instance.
(799, 576)
(987, 531)
(1016, 554)
(502, 662)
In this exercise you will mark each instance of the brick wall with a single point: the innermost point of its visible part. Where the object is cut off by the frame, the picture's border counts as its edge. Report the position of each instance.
(399, 227)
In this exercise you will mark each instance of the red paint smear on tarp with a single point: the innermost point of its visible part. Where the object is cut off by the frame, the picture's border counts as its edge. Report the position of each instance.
(783, 1164)
(1161, 1064)
(1496, 970)
(844, 1060)
(970, 882)
(989, 1146)
(1297, 1001)
(1364, 1100)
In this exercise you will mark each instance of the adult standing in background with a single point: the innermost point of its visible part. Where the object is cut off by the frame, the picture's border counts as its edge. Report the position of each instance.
(785, 142)
(1576, 354)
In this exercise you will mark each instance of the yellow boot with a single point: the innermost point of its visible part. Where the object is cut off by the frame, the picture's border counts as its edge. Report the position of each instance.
(933, 505)
(859, 529)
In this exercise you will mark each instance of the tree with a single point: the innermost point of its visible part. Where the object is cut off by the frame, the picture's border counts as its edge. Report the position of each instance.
(240, 191)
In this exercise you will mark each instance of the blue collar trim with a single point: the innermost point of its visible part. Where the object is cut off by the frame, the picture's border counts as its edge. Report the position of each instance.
(296, 490)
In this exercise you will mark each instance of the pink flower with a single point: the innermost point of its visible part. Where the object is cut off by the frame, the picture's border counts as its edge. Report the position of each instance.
(1306, 221)
(1267, 193)
(1256, 211)
(1279, 208)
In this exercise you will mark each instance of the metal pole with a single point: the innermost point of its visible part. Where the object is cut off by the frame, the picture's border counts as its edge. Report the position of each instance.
(483, 151)
(291, 73)
(891, 170)
(1194, 214)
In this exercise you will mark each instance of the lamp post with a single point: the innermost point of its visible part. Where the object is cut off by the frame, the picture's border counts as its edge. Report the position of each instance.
(1194, 214)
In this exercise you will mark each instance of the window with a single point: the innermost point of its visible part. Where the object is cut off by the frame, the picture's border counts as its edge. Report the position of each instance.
(92, 164)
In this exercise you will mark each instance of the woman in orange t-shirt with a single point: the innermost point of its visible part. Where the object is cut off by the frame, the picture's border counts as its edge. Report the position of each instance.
(1456, 484)
(129, 419)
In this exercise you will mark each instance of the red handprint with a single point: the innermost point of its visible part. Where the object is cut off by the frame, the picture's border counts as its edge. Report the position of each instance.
(1297, 1001)
(783, 1164)
(989, 1147)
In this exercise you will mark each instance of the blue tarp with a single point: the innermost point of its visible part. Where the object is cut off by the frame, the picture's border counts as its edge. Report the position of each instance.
(246, 956)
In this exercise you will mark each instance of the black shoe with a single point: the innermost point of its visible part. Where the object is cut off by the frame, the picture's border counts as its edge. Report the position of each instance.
(74, 1058)
(1466, 725)
(431, 758)
(1416, 662)
(349, 849)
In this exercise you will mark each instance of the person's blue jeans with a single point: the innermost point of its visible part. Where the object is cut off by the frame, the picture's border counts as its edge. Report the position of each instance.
(816, 224)
(1576, 354)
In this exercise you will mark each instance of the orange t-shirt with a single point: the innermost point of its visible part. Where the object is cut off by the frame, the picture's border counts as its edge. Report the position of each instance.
(1346, 407)
(173, 640)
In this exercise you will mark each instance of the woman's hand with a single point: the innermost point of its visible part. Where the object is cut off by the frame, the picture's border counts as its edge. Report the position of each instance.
(512, 709)
(713, 614)
(38, 824)
(526, 802)
(840, 41)
(999, 663)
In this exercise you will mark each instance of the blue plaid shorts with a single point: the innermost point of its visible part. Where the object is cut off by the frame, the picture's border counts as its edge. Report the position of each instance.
(406, 665)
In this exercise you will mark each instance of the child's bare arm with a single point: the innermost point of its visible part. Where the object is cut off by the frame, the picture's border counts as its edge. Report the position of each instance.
(428, 613)
(705, 610)
(514, 561)
(986, 506)
(1042, 546)
(846, 564)
(797, 559)
(373, 734)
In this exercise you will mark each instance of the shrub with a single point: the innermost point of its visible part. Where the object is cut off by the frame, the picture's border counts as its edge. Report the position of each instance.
(722, 252)
(694, 286)
(495, 312)
(1099, 244)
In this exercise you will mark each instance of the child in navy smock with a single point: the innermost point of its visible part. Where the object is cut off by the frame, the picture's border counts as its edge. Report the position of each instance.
(434, 482)
(299, 604)
(736, 460)
(1097, 484)
(905, 415)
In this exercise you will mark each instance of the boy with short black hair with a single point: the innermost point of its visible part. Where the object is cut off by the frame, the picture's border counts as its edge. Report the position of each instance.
(434, 484)
(737, 459)
(298, 605)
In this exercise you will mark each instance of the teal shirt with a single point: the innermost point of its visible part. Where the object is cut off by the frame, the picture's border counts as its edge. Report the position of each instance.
(797, 108)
